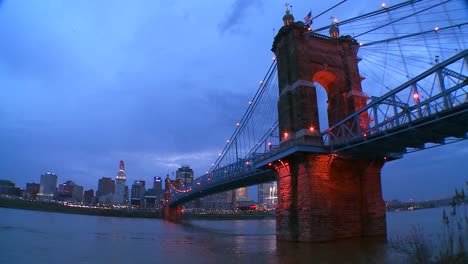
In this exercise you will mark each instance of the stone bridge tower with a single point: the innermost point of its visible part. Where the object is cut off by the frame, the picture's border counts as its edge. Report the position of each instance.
(321, 196)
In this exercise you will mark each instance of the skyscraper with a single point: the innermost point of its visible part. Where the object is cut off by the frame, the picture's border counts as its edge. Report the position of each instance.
(185, 173)
(138, 193)
(157, 184)
(106, 189)
(48, 186)
(120, 179)
(77, 194)
(158, 190)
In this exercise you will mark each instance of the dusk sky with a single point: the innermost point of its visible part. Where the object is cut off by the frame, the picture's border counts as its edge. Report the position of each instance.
(158, 84)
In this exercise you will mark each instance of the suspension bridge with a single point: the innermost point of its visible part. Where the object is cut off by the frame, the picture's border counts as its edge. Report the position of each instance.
(395, 81)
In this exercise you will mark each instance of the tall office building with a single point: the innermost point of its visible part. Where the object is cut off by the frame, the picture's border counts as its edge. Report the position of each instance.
(65, 189)
(138, 193)
(185, 173)
(157, 184)
(154, 195)
(126, 195)
(106, 189)
(267, 195)
(88, 197)
(48, 186)
(120, 179)
(70, 191)
(158, 189)
(77, 194)
(106, 186)
(32, 189)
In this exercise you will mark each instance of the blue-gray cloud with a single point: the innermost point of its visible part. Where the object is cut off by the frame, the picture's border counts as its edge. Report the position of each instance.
(237, 13)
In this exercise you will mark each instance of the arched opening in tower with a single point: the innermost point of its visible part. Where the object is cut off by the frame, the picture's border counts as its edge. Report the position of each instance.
(324, 82)
(322, 106)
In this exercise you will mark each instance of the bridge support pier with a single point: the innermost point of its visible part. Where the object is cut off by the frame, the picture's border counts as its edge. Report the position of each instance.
(324, 197)
(173, 214)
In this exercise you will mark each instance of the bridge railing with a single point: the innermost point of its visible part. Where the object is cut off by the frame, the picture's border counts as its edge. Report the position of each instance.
(222, 175)
(439, 89)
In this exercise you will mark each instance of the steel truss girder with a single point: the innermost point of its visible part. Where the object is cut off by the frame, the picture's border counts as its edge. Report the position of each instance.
(351, 131)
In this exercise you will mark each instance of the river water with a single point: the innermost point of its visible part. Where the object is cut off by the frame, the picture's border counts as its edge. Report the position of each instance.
(44, 237)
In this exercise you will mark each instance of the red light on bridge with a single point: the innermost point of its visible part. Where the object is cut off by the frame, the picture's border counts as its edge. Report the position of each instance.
(269, 164)
(286, 134)
(416, 96)
(365, 134)
(312, 129)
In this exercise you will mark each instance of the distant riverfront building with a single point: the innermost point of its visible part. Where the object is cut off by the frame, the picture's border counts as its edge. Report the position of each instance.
(77, 194)
(65, 189)
(32, 189)
(228, 200)
(69, 191)
(185, 173)
(120, 180)
(241, 199)
(219, 201)
(267, 195)
(48, 186)
(106, 189)
(88, 197)
(157, 184)
(138, 193)
(7, 187)
(154, 196)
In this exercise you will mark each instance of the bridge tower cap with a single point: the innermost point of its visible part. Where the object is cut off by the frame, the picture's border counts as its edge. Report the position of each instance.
(288, 18)
(334, 31)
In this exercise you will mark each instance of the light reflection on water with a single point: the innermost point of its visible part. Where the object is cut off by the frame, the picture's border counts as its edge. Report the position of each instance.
(41, 237)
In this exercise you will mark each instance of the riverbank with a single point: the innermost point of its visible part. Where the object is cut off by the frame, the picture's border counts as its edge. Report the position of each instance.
(231, 216)
(133, 213)
(55, 207)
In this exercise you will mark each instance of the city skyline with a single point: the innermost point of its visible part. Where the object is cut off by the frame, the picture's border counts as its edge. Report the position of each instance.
(143, 82)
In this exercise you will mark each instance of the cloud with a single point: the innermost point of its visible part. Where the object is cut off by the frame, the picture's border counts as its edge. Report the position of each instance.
(236, 14)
